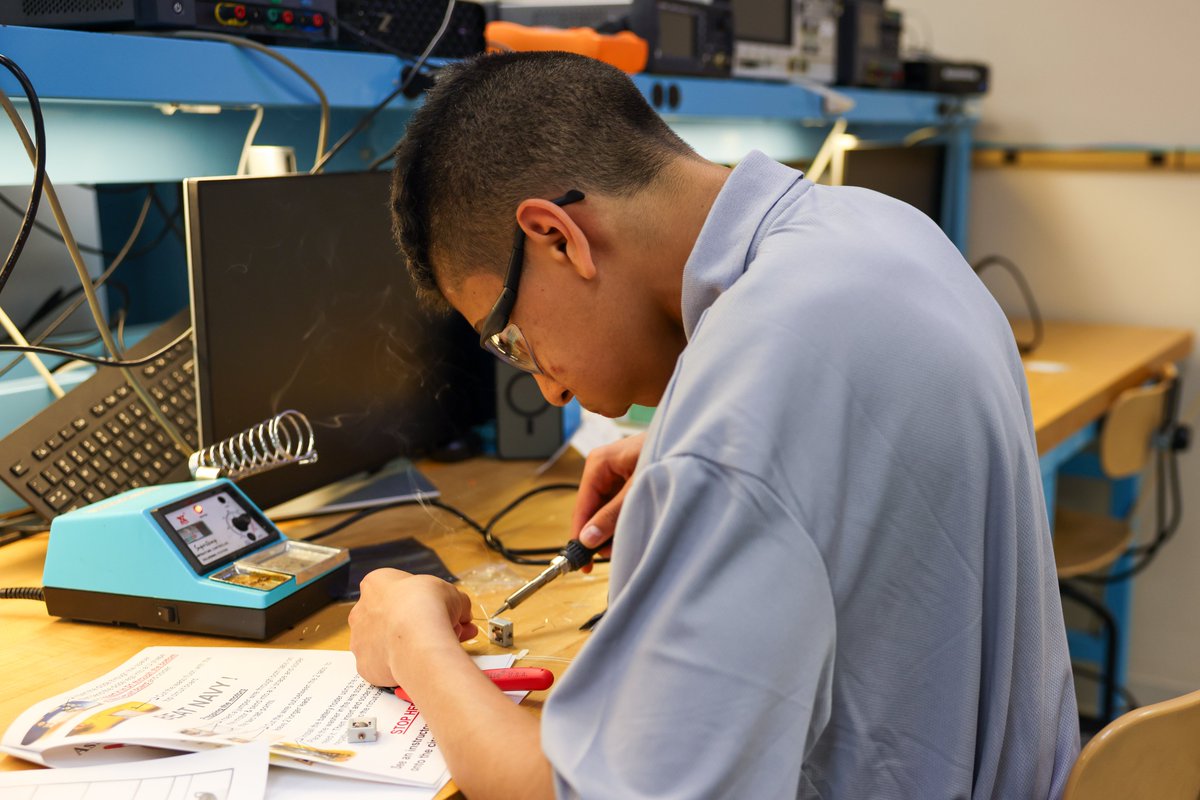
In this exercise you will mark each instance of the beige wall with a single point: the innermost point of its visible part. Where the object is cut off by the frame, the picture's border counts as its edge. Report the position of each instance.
(1124, 246)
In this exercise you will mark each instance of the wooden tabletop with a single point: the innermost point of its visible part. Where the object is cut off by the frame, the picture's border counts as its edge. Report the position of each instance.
(41, 656)
(1080, 368)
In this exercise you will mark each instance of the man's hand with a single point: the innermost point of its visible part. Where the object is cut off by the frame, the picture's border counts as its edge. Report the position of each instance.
(405, 631)
(602, 491)
(399, 611)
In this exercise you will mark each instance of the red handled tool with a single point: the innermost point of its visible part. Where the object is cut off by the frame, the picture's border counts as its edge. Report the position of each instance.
(512, 679)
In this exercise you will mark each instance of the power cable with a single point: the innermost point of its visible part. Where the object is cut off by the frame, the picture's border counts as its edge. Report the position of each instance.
(85, 281)
(100, 361)
(487, 531)
(100, 251)
(244, 158)
(409, 75)
(39, 168)
(1035, 314)
(100, 281)
(250, 44)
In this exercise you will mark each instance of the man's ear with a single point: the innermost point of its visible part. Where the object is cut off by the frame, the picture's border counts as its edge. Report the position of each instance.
(549, 227)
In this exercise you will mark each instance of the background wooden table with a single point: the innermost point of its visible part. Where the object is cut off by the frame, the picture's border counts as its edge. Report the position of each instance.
(1080, 368)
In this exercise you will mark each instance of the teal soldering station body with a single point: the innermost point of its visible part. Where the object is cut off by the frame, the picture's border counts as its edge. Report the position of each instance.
(198, 557)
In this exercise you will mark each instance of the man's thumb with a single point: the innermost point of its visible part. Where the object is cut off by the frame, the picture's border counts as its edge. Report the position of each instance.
(599, 529)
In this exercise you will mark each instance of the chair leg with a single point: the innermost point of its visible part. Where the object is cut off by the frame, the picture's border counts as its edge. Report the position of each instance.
(1108, 680)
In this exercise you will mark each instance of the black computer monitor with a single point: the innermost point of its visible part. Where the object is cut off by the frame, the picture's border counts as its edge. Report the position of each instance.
(300, 300)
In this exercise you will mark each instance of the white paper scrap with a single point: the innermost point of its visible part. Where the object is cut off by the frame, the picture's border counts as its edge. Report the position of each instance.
(228, 773)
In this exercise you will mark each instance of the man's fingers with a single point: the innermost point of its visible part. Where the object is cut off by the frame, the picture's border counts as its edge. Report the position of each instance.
(596, 486)
(603, 524)
(467, 632)
(464, 607)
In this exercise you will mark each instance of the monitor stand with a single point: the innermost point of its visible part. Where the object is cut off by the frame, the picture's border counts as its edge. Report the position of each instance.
(396, 482)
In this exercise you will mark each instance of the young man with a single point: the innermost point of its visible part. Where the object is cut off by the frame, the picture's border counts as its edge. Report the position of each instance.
(832, 573)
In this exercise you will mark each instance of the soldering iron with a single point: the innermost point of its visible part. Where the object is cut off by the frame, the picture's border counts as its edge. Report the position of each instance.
(572, 557)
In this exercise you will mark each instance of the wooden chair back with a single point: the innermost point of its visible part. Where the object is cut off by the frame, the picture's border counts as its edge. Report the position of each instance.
(1136, 415)
(1152, 752)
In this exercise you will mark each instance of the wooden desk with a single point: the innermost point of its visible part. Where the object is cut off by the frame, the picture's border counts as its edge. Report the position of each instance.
(1077, 372)
(41, 656)
(1080, 368)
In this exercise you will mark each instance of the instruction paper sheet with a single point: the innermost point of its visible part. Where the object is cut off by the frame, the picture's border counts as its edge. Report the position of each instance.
(231, 773)
(298, 702)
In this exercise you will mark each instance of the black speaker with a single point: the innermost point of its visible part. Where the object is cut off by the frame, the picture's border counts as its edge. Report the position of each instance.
(526, 425)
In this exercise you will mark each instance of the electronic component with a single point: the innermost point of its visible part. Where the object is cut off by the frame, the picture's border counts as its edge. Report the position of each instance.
(196, 557)
(946, 77)
(361, 729)
(500, 631)
(100, 439)
(304, 20)
(868, 48)
(786, 39)
(686, 37)
(408, 26)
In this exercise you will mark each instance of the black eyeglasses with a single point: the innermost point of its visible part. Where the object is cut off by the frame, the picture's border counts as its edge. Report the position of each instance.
(498, 335)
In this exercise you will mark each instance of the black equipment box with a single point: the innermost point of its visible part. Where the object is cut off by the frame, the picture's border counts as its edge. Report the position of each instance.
(868, 50)
(686, 37)
(946, 77)
(408, 26)
(295, 21)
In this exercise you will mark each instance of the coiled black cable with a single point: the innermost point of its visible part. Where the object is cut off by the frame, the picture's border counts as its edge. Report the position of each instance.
(39, 169)
(1035, 314)
(23, 593)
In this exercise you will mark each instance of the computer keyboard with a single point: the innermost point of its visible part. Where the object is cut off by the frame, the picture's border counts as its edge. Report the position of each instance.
(100, 439)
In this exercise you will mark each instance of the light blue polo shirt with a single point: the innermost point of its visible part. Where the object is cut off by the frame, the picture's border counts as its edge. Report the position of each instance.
(833, 575)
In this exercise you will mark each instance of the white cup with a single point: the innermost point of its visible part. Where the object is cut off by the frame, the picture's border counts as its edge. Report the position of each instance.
(272, 159)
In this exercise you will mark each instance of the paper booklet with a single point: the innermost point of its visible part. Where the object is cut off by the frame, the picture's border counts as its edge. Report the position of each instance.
(197, 698)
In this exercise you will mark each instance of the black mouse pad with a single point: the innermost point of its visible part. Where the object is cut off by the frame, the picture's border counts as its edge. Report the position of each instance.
(406, 554)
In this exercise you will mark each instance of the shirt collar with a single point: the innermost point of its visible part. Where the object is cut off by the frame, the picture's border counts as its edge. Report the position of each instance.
(724, 247)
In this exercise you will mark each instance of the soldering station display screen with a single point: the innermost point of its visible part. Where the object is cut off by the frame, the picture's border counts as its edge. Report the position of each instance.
(214, 528)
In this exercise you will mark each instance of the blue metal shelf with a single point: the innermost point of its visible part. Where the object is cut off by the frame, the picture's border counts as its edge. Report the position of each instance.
(746, 99)
(105, 95)
(122, 68)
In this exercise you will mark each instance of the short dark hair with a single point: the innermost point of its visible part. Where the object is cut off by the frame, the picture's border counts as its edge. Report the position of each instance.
(498, 129)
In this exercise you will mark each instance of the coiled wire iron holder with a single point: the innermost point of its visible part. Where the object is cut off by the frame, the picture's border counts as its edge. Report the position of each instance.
(286, 438)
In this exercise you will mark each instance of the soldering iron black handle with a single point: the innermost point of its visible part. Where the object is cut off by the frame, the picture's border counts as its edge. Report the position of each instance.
(578, 555)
